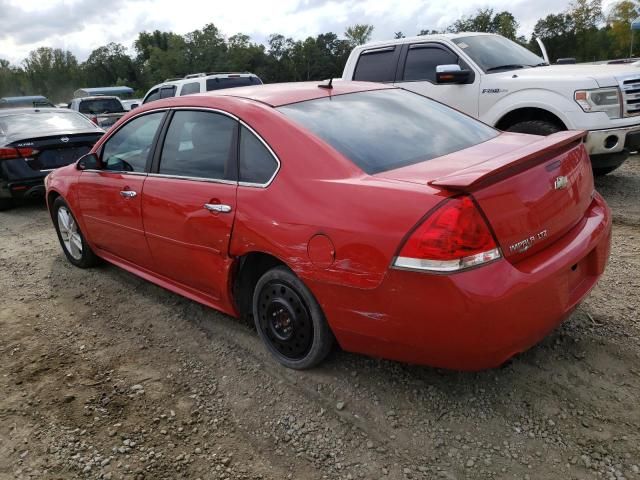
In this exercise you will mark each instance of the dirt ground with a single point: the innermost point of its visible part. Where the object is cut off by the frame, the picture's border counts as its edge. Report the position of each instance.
(106, 376)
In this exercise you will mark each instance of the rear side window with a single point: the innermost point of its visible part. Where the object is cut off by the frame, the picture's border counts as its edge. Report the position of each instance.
(189, 88)
(231, 82)
(377, 65)
(200, 145)
(422, 61)
(102, 105)
(257, 164)
(128, 149)
(154, 95)
(167, 92)
(386, 129)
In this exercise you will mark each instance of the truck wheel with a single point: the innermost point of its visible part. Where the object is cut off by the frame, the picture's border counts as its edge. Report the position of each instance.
(534, 127)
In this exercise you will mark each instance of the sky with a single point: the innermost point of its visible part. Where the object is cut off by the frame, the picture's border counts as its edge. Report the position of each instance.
(82, 25)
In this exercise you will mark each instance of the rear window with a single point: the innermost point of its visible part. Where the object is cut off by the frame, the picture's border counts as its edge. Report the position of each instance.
(231, 82)
(101, 105)
(42, 123)
(386, 129)
(377, 65)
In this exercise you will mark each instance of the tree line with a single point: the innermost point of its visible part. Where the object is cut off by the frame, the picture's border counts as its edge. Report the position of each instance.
(583, 31)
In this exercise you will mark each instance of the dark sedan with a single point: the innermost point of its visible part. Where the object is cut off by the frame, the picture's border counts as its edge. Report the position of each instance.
(35, 141)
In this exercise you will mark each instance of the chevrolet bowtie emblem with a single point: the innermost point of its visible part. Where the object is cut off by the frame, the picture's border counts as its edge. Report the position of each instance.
(560, 183)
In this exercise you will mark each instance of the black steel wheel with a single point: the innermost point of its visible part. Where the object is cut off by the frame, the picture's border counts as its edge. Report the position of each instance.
(289, 320)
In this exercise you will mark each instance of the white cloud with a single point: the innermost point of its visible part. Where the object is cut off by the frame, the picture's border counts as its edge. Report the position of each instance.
(82, 25)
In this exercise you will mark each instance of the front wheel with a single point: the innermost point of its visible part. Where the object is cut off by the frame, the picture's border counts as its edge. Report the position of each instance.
(289, 320)
(73, 243)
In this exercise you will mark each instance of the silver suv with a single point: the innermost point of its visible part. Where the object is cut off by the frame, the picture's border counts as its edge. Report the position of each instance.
(198, 83)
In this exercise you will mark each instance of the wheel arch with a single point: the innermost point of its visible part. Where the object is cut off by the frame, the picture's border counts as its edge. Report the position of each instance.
(524, 114)
(248, 268)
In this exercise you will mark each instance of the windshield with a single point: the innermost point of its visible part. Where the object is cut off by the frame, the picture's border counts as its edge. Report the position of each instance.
(382, 130)
(493, 53)
(101, 105)
(43, 123)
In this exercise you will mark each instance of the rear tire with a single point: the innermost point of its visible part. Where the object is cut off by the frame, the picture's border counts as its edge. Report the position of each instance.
(73, 243)
(290, 321)
(6, 204)
(535, 127)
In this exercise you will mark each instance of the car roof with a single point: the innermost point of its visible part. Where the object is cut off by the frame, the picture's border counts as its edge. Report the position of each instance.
(197, 76)
(420, 38)
(97, 97)
(24, 98)
(109, 90)
(278, 94)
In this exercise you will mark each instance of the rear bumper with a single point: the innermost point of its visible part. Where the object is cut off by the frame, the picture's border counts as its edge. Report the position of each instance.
(18, 189)
(475, 319)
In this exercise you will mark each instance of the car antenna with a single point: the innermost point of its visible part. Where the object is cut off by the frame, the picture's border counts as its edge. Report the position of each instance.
(328, 86)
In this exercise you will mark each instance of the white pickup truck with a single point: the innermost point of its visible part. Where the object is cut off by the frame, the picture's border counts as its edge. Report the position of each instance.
(507, 86)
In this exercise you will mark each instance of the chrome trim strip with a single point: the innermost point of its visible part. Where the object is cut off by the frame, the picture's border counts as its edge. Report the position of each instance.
(195, 179)
(121, 172)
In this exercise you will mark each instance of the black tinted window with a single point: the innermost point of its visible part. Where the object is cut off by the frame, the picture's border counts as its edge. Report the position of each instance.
(199, 144)
(189, 88)
(231, 82)
(128, 149)
(154, 95)
(101, 105)
(422, 62)
(377, 65)
(166, 92)
(257, 165)
(386, 129)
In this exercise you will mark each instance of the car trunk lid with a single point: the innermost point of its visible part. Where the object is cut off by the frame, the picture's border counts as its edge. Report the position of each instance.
(531, 189)
(52, 152)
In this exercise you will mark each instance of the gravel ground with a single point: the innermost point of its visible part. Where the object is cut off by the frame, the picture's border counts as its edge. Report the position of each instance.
(103, 375)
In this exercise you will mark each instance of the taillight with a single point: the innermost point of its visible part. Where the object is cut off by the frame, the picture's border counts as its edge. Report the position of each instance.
(454, 237)
(11, 153)
(94, 119)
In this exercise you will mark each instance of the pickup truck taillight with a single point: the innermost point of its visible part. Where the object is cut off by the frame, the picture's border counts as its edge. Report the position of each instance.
(11, 153)
(454, 237)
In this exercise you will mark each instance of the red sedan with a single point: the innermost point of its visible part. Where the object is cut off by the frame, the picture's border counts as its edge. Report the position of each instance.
(362, 214)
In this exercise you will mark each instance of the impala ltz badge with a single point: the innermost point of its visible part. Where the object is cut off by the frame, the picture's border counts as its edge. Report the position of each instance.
(560, 183)
(527, 243)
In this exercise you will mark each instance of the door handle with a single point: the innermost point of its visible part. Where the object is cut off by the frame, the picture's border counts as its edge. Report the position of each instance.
(128, 193)
(217, 207)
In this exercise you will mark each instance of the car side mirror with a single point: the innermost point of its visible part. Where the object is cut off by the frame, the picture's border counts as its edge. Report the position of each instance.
(90, 161)
(452, 74)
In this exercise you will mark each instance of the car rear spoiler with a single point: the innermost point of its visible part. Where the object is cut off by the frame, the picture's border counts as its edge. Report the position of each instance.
(509, 163)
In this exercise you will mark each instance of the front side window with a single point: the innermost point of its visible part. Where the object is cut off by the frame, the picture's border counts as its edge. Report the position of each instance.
(190, 88)
(385, 129)
(422, 61)
(201, 145)
(377, 65)
(128, 149)
(257, 164)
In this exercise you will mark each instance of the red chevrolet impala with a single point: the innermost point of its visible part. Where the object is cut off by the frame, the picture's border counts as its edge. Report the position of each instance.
(361, 213)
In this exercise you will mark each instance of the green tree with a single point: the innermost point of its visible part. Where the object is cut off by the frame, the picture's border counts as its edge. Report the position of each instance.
(398, 35)
(358, 34)
(619, 21)
(557, 31)
(52, 72)
(587, 15)
(110, 65)
(484, 20)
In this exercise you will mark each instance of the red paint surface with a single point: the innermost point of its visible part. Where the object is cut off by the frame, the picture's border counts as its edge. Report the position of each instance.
(469, 320)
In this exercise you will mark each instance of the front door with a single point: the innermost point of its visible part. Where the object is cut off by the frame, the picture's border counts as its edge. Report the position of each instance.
(189, 201)
(419, 75)
(111, 198)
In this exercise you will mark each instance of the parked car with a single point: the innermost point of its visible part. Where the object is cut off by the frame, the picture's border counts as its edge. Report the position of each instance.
(102, 110)
(198, 83)
(361, 212)
(33, 101)
(122, 92)
(34, 142)
(505, 85)
(131, 103)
